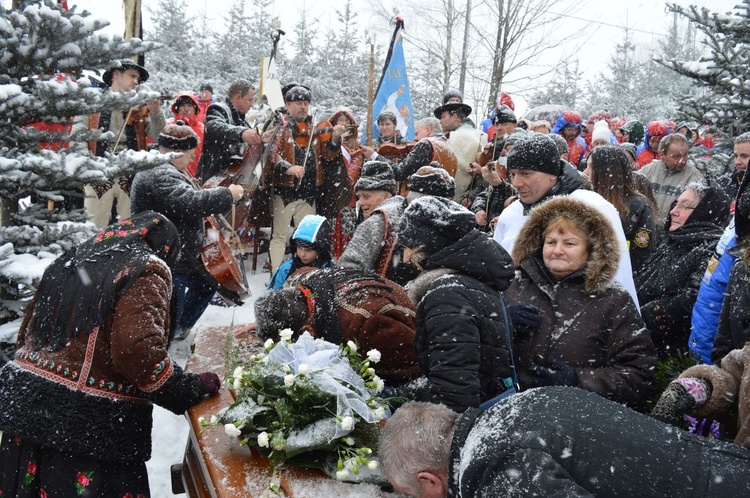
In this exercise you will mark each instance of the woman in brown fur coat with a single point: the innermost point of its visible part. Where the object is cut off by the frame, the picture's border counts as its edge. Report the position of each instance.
(589, 333)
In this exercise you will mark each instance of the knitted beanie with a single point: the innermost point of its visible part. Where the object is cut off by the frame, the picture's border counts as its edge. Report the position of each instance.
(536, 152)
(432, 180)
(630, 148)
(601, 131)
(433, 223)
(376, 175)
(504, 114)
(515, 136)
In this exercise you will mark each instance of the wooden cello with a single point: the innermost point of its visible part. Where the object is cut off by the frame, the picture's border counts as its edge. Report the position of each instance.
(218, 259)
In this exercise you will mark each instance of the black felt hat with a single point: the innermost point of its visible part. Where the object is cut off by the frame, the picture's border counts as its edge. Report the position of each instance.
(433, 223)
(124, 65)
(453, 107)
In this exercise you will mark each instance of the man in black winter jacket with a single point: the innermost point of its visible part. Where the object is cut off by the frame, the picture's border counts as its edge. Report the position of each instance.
(553, 441)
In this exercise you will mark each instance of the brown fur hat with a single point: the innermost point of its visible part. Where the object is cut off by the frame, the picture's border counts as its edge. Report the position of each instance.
(604, 255)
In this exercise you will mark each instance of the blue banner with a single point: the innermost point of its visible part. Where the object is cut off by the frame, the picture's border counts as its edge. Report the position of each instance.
(393, 93)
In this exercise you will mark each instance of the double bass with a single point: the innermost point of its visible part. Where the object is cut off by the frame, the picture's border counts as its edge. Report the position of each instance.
(218, 259)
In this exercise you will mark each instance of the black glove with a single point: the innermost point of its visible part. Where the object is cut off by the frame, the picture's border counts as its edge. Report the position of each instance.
(524, 317)
(211, 382)
(555, 373)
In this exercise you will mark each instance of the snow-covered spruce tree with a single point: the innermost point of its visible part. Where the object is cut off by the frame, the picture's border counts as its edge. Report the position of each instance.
(724, 72)
(43, 53)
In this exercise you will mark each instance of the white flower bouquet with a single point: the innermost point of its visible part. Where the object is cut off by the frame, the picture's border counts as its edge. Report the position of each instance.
(310, 403)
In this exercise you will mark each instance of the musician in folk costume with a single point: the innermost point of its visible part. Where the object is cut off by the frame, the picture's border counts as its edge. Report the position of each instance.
(124, 76)
(431, 146)
(303, 174)
(466, 141)
(227, 130)
(167, 189)
(351, 154)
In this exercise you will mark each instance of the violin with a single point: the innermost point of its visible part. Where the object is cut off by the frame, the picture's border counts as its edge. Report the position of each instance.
(389, 149)
(322, 131)
(487, 156)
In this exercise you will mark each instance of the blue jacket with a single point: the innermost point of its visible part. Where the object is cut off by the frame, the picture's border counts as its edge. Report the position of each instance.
(707, 308)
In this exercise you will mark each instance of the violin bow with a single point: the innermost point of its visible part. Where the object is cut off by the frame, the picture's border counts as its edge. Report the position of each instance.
(122, 130)
(311, 134)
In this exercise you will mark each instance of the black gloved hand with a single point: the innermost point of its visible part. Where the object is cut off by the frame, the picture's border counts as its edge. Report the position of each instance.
(211, 382)
(555, 373)
(524, 317)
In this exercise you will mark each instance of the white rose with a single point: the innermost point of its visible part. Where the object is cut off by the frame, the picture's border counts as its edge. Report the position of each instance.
(286, 334)
(373, 465)
(289, 380)
(232, 430)
(263, 439)
(349, 441)
(373, 355)
(268, 344)
(237, 372)
(303, 369)
(379, 413)
(237, 384)
(213, 420)
(371, 371)
(342, 474)
(347, 423)
(352, 346)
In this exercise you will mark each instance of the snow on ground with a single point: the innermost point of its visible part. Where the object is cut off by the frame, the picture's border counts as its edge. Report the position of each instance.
(170, 432)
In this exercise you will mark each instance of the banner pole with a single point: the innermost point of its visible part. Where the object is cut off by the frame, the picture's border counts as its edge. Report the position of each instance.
(370, 94)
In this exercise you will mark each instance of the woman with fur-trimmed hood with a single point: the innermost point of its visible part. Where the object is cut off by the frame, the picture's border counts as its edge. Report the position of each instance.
(588, 333)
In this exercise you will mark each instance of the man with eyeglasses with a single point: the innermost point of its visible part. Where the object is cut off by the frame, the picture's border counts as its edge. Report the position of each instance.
(672, 173)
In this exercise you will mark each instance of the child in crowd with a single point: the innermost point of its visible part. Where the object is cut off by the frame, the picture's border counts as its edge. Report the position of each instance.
(311, 245)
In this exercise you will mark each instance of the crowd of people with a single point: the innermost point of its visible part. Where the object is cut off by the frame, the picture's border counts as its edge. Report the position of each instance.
(522, 283)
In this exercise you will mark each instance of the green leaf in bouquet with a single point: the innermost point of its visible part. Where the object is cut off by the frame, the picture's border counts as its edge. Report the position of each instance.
(244, 409)
(315, 436)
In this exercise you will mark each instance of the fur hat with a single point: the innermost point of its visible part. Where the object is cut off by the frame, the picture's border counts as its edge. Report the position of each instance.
(294, 92)
(603, 254)
(458, 107)
(504, 114)
(432, 180)
(536, 152)
(601, 131)
(124, 65)
(452, 94)
(178, 136)
(376, 175)
(433, 223)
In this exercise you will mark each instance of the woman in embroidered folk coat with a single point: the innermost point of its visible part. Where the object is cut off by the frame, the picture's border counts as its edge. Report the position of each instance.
(77, 398)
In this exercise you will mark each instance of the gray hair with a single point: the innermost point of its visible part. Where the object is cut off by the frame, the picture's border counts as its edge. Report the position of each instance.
(667, 141)
(417, 438)
(431, 123)
(239, 87)
(741, 139)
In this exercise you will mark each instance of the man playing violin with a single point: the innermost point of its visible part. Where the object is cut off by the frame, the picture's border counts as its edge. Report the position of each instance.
(227, 129)
(123, 76)
(168, 190)
(306, 174)
(431, 146)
